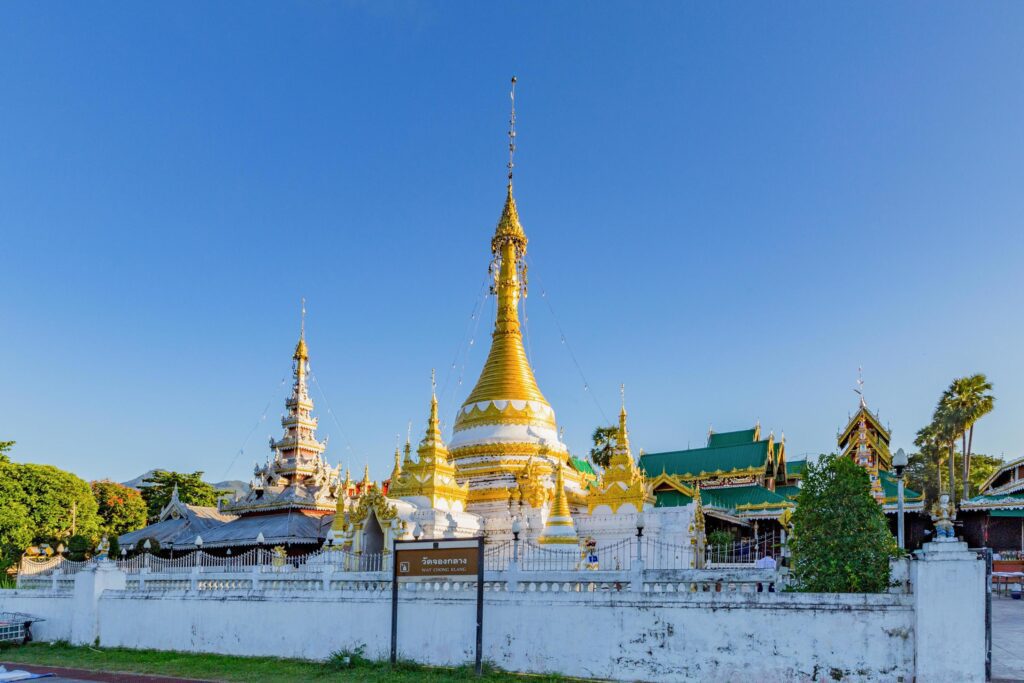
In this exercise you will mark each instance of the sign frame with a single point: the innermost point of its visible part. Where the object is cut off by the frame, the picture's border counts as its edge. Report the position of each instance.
(436, 544)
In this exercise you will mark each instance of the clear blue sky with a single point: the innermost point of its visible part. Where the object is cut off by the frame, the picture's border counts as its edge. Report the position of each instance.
(730, 209)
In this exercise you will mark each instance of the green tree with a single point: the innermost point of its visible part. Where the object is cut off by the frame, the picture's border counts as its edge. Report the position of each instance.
(121, 508)
(59, 503)
(192, 490)
(604, 445)
(16, 528)
(841, 541)
(948, 426)
(967, 400)
(924, 468)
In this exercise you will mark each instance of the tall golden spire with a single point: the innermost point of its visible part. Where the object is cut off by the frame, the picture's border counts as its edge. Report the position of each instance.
(507, 374)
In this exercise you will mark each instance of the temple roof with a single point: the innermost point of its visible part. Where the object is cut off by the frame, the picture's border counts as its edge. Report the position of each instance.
(737, 438)
(1006, 501)
(277, 528)
(710, 460)
(179, 522)
(740, 497)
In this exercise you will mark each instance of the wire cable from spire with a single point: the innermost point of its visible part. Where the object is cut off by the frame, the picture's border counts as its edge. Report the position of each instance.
(512, 133)
(565, 343)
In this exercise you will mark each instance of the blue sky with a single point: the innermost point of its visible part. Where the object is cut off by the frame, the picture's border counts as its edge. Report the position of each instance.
(731, 207)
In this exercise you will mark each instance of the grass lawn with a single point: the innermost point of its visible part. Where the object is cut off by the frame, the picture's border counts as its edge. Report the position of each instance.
(228, 668)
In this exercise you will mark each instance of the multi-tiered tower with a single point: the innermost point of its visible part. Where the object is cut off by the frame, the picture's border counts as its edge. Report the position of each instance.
(866, 441)
(297, 476)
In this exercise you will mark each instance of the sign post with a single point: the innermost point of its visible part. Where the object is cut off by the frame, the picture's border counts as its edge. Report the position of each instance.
(447, 558)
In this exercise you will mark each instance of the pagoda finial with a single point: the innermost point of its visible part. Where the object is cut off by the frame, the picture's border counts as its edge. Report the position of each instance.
(301, 352)
(397, 469)
(512, 134)
(860, 387)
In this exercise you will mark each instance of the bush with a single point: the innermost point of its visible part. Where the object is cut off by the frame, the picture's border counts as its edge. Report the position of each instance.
(79, 548)
(720, 538)
(841, 541)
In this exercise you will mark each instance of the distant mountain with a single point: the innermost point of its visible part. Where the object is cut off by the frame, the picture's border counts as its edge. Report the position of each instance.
(238, 487)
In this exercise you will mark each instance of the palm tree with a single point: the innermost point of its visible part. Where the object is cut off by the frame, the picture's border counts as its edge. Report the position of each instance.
(930, 445)
(968, 401)
(948, 427)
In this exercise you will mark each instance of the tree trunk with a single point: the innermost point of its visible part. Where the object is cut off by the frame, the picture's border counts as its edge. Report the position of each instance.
(965, 465)
(952, 472)
(970, 446)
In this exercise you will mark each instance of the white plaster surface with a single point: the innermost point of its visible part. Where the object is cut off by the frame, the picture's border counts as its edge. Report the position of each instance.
(627, 628)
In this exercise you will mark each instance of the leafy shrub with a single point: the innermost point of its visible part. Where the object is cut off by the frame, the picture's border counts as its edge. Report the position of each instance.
(841, 541)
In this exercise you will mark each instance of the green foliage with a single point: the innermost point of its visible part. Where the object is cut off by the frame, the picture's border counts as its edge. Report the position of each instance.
(40, 503)
(16, 529)
(192, 490)
(79, 548)
(926, 473)
(121, 508)
(720, 538)
(604, 445)
(841, 541)
(59, 503)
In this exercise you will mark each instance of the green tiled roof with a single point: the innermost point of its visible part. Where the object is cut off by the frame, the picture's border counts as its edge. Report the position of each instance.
(1007, 499)
(890, 488)
(789, 492)
(796, 468)
(671, 499)
(582, 466)
(733, 497)
(697, 460)
(744, 436)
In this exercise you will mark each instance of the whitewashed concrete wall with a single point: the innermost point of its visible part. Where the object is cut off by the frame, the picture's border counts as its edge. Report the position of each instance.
(705, 636)
(53, 606)
(654, 636)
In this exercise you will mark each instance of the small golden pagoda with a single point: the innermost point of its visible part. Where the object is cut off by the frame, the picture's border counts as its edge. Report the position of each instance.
(622, 483)
(559, 528)
(431, 480)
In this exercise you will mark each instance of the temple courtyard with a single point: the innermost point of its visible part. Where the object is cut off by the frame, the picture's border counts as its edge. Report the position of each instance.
(1007, 639)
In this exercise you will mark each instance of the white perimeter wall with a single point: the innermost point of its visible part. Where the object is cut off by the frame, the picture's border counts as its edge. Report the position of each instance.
(721, 636)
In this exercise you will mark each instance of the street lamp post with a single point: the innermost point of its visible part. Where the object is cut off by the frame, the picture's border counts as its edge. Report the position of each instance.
(517, 528)
(199, 550)
(899, 463)
(639, 537)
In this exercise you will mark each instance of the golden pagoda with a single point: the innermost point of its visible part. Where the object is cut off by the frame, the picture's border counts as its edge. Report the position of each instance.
(505, 443)
(559, 528)
(431, 480)
(622, 482)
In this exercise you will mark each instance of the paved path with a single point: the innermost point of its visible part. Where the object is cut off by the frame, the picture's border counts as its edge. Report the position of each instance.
(1007, 639)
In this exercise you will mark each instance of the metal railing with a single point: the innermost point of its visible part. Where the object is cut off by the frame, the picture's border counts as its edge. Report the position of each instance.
(745, 551)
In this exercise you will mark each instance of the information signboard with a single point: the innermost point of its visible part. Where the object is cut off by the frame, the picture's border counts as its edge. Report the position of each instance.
(449, 558)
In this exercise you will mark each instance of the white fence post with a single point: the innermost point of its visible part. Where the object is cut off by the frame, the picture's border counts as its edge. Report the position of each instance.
(90, 583)
(949, 613)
